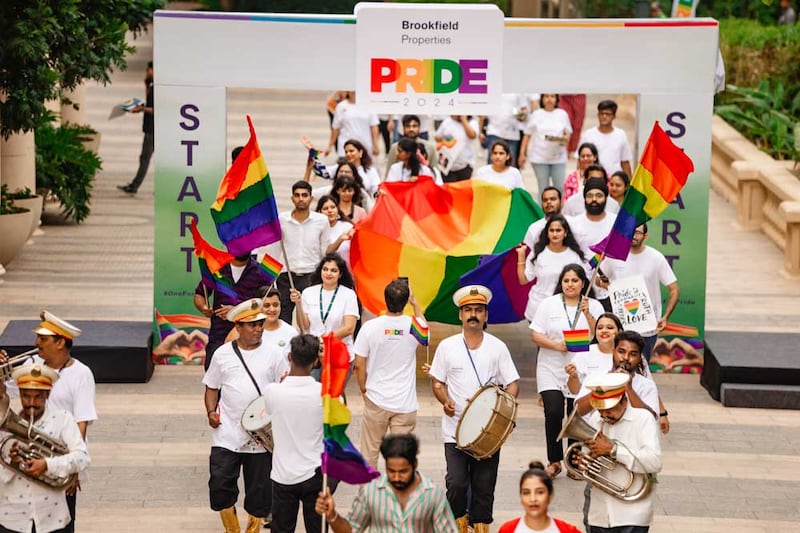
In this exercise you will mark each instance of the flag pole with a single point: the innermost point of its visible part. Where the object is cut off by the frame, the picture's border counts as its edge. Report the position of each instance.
(325, 491)
(205, 294)
(299, 303)
(594, 275)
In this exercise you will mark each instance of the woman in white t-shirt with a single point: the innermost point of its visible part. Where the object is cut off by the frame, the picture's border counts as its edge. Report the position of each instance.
(535, 494)
(408, 167)
(330, 303)
(356, 153)
(501, 171)
(555, 249)
(568, 309)
(341, 231)
(600, 357)
(545, 143)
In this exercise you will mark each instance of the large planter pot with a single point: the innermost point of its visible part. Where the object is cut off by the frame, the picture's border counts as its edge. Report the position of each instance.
(15, 229)
(35, 205)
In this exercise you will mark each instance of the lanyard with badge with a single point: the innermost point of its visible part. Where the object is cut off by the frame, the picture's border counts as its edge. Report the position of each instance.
(324, 316)
(469, 354)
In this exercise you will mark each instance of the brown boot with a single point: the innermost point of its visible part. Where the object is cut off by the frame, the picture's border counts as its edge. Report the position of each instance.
(480, 528)
(254, 524)
(229, 520)
(463, 524)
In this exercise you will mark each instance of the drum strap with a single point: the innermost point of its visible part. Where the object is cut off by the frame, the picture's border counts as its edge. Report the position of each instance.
(239, 354)
(469, 354)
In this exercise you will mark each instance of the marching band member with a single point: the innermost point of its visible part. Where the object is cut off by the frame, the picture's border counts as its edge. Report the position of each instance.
(241, 369)
(629, 436)
(24, 504)
(75, 390)
(463, 364)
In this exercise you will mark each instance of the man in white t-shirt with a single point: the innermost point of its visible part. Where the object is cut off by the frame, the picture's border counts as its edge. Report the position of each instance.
(239, 372)
(551, 205)
(506, 125)
(386, 361)
(353, 121)
(593, 226)
(576, 205)
(75, 389)
(612, 143)
(654, 268)
(296, 408)
(463, 364)
(454, 140)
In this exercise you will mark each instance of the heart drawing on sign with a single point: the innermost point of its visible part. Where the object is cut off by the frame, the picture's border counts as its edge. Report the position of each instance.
(632, 306)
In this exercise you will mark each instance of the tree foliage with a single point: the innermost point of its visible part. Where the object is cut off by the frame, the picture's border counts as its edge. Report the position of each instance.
(49, 47)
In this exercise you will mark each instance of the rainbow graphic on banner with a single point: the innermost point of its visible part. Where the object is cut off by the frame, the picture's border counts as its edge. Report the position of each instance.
(577, 340)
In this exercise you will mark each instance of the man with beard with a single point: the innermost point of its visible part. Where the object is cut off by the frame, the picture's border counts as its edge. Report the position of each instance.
(641, 390)
(595, 224)
(551, 205)
(26, 505)
(463, 364)
(654, 268)
(575, 204)
(400, 500)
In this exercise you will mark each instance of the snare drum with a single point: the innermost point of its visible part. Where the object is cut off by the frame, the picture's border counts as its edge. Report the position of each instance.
(486, 422)
(257, 422)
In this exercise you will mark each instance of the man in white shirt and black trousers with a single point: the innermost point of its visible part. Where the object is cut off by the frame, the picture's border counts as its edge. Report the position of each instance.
(463, 364)
(241, 369)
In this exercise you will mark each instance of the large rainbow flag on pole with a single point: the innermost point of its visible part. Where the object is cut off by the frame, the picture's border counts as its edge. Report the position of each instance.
(661, 174)
(211, 260)
(340, 459)
(245, 211)
(435, 236)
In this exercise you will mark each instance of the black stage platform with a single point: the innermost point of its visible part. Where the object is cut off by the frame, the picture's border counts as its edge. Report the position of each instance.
(753, 369)
(117, 352)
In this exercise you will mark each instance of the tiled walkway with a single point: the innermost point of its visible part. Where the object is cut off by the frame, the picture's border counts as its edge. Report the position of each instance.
(724, 469)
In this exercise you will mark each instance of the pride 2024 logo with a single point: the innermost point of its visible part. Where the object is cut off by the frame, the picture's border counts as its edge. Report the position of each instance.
(432, 76)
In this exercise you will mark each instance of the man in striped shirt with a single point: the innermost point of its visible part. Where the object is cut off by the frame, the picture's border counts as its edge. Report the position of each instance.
(400, 500)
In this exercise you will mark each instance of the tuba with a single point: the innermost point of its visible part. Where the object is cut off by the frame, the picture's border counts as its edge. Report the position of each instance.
(595, 470)
(32, 444)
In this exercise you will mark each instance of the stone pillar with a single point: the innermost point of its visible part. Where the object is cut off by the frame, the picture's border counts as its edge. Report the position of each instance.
(68, 113)
(790, 211)
(18, 161)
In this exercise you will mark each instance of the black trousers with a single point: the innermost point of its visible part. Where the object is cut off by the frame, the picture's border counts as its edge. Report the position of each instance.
(553, 418)
(458, 175)
(301, 281)
(465, 473)
(619, 529)
(148, 147)
(223, 483)
(286, 500)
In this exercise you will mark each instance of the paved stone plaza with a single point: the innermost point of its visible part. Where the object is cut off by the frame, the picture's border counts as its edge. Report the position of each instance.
(724, 469)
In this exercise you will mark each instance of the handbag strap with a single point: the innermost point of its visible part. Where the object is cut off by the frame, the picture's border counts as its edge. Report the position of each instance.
(239, 354)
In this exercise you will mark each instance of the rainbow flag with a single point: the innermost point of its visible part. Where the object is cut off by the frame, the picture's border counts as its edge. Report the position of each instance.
(271, 268)
(340, 459)
(577, 340)
(245, 211)
(165, 328)
(211, 260)
(595, 260)
(435, 235)
(420, 330)
(659, 177)
(316, 165)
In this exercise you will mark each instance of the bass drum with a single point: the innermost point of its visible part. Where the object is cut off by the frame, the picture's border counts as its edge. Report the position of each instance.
(487, 421)
(257, 422)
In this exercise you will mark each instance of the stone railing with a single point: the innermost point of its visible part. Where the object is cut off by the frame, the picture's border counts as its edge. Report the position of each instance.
(765, 192)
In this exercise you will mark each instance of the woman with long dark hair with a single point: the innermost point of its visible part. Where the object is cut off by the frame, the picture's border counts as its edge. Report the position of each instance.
(567, 310)
(555, 248)
(408, 166)
(330, 303)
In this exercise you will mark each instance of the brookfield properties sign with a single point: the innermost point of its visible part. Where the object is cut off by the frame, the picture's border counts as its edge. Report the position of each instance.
(429, 58)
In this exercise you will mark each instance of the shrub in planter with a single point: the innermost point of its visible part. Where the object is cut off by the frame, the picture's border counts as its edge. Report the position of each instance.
(15, 224)
(66, 168)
